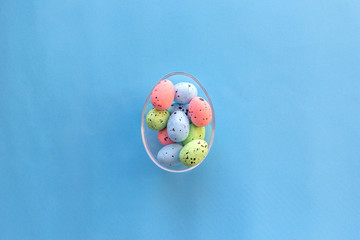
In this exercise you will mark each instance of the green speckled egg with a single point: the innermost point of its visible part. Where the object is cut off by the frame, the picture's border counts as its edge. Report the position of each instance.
(194, 134)
(194, 152)
(157, 119)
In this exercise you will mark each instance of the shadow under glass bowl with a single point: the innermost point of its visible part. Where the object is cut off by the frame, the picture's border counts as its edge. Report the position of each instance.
(149, 137)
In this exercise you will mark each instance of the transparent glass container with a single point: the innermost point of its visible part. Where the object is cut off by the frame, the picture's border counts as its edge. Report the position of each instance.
(149, 137)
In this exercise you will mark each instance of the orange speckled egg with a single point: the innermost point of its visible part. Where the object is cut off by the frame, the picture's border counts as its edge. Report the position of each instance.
(200, 112)
(164, 138)
(163, 95)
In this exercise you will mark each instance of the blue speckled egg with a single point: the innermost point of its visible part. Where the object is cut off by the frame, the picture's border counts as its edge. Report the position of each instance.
(178, 126)
(179, 107)
(184, 92)
(169, 154)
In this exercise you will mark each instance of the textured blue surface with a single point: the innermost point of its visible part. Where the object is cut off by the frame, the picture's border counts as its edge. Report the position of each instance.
(284, 77)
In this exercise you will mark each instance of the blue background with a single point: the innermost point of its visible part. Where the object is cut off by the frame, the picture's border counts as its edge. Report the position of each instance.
(284, 78)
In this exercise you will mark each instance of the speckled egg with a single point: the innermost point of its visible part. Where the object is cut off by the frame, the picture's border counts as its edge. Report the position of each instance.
(178, 126)
(179, 107)
(156, 119)
(184, 92)
(195, 133)
(200, 112)
(169, 155)
(163, 94)
(164, 138)
(194, 152)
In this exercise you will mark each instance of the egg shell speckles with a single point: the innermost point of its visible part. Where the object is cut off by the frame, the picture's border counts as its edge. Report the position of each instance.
(163, 95)
(195, 133)
(156, 119)
(164, 138)
(179, 107)
(169, 155)
(178, 126)
(194, 152)
(200, 112)
(184, 92)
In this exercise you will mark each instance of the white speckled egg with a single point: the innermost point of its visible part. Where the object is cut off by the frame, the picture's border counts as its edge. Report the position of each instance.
(169, 154)
(179, 107)
(184, 92)
(178, 126)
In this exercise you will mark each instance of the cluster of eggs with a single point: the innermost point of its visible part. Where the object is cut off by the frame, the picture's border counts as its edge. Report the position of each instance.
(181, 125)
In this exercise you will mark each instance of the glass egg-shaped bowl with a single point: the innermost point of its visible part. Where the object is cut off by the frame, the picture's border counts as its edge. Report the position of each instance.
(149, 137)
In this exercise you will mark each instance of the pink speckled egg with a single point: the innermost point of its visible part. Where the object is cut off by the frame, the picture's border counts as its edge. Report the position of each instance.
(163, 95)
(164, 137)
(200, 112)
